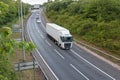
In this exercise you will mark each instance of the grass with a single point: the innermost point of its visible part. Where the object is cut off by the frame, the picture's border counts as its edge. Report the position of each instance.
(18, 57)
(16, 35)
(27, 74)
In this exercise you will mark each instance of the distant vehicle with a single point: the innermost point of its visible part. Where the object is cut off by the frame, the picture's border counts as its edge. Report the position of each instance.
(37, 15)
(36, 6)
(38, 21)
(60, 35)
(37, 18)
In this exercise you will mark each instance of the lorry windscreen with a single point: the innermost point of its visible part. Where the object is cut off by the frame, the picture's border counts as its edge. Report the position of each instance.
(66, 39)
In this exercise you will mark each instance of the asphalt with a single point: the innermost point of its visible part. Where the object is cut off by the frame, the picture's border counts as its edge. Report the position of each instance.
(73, 64)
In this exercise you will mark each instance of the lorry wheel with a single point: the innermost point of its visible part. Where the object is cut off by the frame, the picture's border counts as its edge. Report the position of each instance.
(60, 46)
(55, 42)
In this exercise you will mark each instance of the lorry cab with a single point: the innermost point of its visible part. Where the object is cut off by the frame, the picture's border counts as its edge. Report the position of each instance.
(66, 40)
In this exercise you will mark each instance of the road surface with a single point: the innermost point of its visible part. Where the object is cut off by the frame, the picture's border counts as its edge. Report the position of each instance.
(74, 64)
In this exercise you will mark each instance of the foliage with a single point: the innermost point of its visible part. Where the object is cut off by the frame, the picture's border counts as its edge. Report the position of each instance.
(106, 9)
(7, 47)
(96, 21)
(58, 5)
(3, 8)
(9, 11)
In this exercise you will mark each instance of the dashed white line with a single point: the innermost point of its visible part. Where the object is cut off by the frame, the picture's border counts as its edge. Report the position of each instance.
(41, 34)
(93, 65)
(44, 60)
(35, 26)
(79, 72)
(47, 42)
(59, 54)
(38, 31)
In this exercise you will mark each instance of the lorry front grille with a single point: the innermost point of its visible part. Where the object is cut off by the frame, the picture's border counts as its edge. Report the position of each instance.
(67, 45)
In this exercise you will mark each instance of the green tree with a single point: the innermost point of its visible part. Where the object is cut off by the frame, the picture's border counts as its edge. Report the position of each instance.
(7, 47)
(96, 21)
(106, 9)
(9, 11)
(3, 8)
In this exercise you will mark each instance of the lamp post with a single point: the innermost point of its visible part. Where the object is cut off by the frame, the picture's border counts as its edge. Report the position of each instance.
(21, 11)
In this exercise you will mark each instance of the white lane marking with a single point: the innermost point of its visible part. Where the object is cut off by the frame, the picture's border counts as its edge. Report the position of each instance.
(59, 54)
(38, 31)
(93, 65)
(33, 42)
(43, 26)
(35, 25)
(44, 60)
(41, 68)
(98, 56)
(79, 72)
(41, 34)
(47, 65)
(47, 42)
(100, 51)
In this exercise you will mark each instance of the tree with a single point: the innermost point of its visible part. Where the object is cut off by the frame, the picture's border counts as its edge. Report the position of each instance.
(9, 11)
(96, 21)
(7, 47)
(102, 9)
(3, 8)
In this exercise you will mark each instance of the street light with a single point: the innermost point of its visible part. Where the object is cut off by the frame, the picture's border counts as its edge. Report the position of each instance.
(23, 49)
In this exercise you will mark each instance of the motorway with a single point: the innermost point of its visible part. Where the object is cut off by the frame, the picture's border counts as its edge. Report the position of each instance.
(73, 64)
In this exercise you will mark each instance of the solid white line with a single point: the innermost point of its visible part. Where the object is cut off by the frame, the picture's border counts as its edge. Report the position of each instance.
(59, 53)
(33, 42)
(47, 65)
(93, 65)
(47, 42)
(101, 51)
(43, 59)
(41, 68)
(79, 72)
(98, 56)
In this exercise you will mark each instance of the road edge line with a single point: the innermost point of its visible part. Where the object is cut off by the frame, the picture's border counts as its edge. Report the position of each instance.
(93, 65)
(98, 56)
(43, 60)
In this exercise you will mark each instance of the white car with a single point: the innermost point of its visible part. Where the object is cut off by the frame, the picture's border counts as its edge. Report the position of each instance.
(38, 21)
(37, 14)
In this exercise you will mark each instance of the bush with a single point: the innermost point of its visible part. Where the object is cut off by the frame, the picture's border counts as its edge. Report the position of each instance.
(85, 26)
(96, 21)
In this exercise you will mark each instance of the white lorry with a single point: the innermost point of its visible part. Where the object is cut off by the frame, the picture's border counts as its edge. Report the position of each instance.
(60, 35)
